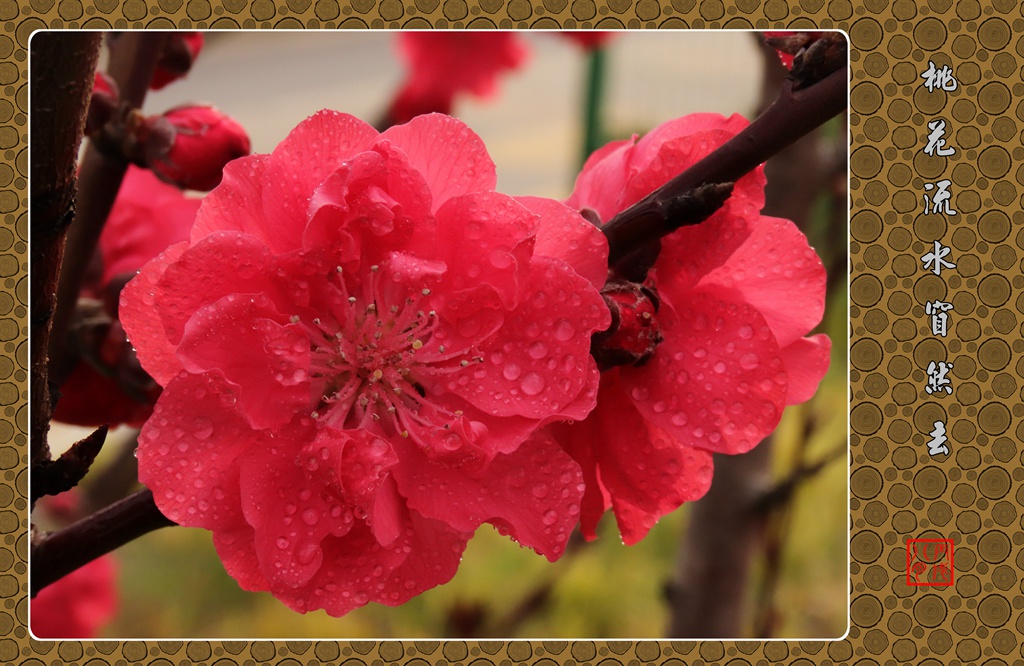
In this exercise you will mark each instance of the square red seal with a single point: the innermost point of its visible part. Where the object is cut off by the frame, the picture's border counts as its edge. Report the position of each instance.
(929, 562)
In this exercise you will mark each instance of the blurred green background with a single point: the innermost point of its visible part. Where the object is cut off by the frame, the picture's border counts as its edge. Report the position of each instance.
(172, 584)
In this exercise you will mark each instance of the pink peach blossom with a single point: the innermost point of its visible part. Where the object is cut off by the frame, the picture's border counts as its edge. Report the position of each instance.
(78, 605)
(356, 344)
(188, 146)
(444, 65)
(738, 294)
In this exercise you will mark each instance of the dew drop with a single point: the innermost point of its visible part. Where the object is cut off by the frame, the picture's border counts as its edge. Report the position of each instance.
(310, 517)
(749, 361)
(532, 384)
(537, 351)
(203, 428)
(500, 258)
(307, 553)
(719, 367)
(511, 371)
(550, 517)
(746, 331)
(564, 330)
(640, 393)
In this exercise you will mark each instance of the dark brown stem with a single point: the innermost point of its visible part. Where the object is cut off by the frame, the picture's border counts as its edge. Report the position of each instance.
(794, 114)
(132, 63)
(57, 554)
(62, 71)
(52, 477)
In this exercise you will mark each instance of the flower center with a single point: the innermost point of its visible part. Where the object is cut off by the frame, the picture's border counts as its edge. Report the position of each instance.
(375, 361)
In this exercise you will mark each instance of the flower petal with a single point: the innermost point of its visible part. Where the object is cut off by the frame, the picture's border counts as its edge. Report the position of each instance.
(290, 512)
(312, 151)
(717, 381)
(644, 472)
(224, 263)
(807, 361)
(564, 234)
(147, 334)
(237, 205)
(532, 365)
(178, 444)
(776, 270)
(148, 217)
(486, 238)
(451, 157)
(602, 181)
(532, 494)
(268, 362)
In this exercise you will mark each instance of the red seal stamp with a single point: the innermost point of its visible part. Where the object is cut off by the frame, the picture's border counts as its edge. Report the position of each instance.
(929, 562)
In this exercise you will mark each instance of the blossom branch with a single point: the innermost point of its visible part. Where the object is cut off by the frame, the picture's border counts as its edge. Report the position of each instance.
(57, 554)
(52, 477)
(794, 114)
(62, 73)
(133, 59)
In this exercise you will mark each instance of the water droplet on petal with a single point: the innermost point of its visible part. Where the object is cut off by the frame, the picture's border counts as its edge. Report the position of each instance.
(564, 330)
(511, 371)
(307, 553)
(749, 361)
(532, 384)
(203, 428)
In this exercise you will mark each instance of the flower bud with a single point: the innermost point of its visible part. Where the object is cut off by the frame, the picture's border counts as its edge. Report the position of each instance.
(634, 333)
(188, 146)
(176, 60)
(103, 104)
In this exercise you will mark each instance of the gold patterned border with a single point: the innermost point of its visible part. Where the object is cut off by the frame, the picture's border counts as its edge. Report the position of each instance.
(972, 495)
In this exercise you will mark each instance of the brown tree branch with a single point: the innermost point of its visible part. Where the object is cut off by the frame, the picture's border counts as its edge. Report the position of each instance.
(62, 73)
(57, 554)
(132, 63)
(794, 114)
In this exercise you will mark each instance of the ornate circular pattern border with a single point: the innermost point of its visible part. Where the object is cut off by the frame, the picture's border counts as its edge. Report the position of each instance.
(904, 487)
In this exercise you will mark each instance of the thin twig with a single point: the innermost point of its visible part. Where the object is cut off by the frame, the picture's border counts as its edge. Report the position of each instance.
(57, 554)
(794, 114)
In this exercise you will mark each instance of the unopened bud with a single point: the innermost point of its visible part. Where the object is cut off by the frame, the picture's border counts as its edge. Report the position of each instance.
(634, 332)
(103, 104)
(188, 146)
(176, 60)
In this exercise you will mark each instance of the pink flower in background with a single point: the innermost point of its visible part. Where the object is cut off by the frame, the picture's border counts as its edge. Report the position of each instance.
(356, 345)
(79, 604)
(738, 293)
(188, 146)
(180, 52)
(147, 217)
(788, 43)
(588, 39)
(444, 65)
